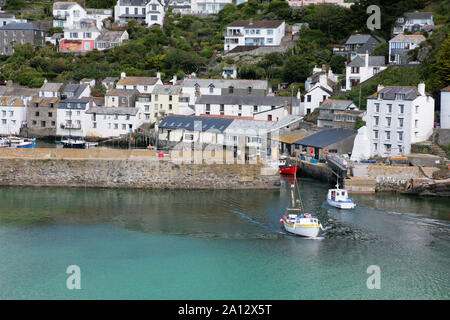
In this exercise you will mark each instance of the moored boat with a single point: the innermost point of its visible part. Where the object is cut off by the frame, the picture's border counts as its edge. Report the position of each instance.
(18, 142)
(339, 198)
(73, 143)
(289, 169)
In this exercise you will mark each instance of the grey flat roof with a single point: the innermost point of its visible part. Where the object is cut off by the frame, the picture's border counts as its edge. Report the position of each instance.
(324, 138)
(195, 123)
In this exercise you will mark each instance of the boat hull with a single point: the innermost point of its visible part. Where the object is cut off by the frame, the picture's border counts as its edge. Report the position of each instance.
(349, 204)
(310, 231)
(289, 170)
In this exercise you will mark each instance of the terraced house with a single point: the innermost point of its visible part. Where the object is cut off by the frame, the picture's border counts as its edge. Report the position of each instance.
(12, 115)
(13, 34)
(164, 100)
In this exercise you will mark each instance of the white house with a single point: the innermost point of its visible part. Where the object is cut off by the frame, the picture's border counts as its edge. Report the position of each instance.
(9, 18)
(398, 117)
(362, 68)
(13, 115)
(208, 6)
(413, 22)
(66, 14)
(71, 119)
(320, 75)
(254, 33)
(106, 122)
(148, 12)
(141, 84)
(329, 109)
(269, 108)
(51, 89)
(445, 108)
(314, 97)
(401, 44)
(180, 6)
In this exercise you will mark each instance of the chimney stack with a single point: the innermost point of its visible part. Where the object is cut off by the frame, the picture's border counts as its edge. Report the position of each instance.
(123, 75)
(421, 88)
(250, 22)
(380, 87)
(158, 75)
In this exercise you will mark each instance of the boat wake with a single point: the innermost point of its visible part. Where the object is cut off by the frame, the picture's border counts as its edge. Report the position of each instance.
(410, 216)
(243, 215)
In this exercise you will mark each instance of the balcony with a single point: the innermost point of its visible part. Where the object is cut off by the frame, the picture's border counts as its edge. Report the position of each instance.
(76, 126)
(60, 16)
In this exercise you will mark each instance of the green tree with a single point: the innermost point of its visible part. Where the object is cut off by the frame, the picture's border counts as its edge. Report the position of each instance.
(443, 65)
(296, 69)
(337, 64)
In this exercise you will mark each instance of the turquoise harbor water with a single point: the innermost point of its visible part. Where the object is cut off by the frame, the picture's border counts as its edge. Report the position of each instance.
(136, 244)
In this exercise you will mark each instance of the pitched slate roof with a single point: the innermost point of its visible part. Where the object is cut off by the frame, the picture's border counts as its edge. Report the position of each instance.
(362, 38)
(19, 26)
(73, 104)
(113, 110)
(75, 89)
(121, 92)
(138, 81)
(52, 86)
(374, 61)
(336, 104)
(166, 89)
(247, 100)
(195, 123)
(325, 138)
(414, 38)
(389, 92)
(63, 5)
(418, 15)
(256, 24)
(226, 83)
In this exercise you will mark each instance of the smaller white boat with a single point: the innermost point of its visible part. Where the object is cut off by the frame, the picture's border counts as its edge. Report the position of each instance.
(339, 198)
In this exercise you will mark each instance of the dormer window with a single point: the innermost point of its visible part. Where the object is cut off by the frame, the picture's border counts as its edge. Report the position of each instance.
(380, 95)
(399, 96)
(230, 89)
(249, 90)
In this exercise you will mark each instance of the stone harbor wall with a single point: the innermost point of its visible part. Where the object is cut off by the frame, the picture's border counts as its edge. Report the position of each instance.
(151, 174)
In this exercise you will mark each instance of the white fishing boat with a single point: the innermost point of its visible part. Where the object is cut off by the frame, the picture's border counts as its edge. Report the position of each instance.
(299, 223)
(74, 143)
(339, 198)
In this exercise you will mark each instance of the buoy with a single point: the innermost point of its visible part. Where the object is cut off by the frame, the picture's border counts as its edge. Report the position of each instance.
(281, 220)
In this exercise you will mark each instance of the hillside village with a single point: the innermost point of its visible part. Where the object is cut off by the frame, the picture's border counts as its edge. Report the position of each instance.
(255, 77)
